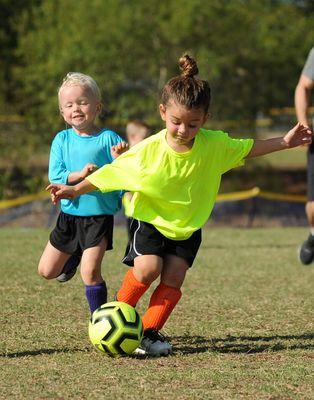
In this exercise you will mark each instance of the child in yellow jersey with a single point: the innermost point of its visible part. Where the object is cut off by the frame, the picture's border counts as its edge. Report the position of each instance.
(175, 177)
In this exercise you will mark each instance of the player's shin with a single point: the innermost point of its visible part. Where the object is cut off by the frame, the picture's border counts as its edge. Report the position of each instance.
(162, 303)
(131, 290)
(96, 295)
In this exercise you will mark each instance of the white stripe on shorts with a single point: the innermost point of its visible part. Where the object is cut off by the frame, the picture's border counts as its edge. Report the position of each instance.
(134, 238)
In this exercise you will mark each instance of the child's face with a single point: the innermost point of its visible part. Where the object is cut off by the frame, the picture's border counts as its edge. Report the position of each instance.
(182, 123)
(79, 107)
(135, 134)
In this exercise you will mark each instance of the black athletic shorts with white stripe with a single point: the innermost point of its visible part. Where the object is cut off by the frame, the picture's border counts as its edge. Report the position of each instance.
(147, 240)
(73, 234)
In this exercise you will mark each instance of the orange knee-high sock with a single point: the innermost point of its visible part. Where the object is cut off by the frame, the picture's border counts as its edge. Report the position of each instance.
(161, 304)
(131, 290)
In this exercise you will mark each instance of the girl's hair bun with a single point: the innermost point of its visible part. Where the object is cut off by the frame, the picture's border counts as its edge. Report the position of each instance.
(188, 66)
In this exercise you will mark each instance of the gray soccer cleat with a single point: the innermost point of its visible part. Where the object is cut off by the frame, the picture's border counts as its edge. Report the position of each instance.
(153, 344)
(69, 269)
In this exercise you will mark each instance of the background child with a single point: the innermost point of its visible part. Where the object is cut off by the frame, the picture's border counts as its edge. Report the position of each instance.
(136, 131)
(175, 176)
(84, 227)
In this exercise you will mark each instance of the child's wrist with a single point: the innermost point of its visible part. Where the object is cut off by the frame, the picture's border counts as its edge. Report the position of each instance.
(76, 190)
(284, 143)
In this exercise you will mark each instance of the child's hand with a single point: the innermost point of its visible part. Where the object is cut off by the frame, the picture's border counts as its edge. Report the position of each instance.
(87, 170)
(119, 149)
(298, 135)
(58, 192)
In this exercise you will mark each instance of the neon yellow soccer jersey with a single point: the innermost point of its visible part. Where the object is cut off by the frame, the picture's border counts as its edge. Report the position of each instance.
(175, 192)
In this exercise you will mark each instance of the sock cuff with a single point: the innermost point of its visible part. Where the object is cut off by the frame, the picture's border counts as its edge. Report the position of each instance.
(130, 277)
(97, 286)
(171, 289)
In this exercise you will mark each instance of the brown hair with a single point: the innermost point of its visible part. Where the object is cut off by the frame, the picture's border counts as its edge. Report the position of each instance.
(140, 124)
(185, 89)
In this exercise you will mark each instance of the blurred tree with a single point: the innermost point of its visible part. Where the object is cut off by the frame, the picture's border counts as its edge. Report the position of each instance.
(10, 12)
(250, 50)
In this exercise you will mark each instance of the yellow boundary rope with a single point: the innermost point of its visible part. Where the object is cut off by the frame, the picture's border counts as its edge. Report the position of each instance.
(234, 196)
(23, 200)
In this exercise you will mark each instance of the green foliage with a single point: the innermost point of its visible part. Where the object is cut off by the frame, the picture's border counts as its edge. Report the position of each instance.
(251, 51)
(10, 15)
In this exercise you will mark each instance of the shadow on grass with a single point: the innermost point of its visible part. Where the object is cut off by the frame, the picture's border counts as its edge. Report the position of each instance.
(243, 344)
(245, 246)
(40, 352)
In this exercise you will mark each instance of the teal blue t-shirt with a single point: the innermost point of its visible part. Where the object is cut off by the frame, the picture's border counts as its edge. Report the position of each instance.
(71, 152)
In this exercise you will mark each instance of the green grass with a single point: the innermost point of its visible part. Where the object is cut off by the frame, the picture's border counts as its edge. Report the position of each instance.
(242, 330)
(290, 159)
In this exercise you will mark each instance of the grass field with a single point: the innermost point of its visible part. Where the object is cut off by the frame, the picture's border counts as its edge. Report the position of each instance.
(291, 159)
(242, 330)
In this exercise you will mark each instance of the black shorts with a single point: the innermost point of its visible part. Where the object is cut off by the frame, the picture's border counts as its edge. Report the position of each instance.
(73, 234)
(147, 240)
(310, 172)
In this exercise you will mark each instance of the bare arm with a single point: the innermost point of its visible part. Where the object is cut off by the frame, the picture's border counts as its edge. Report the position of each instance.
(78, 176)
(58, 192)
(302, 99)
(298, 135)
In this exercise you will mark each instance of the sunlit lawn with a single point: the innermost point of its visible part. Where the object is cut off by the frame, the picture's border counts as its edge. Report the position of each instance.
(243, 329)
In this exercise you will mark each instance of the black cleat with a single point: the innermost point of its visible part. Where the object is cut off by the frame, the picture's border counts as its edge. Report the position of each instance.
(306, 251)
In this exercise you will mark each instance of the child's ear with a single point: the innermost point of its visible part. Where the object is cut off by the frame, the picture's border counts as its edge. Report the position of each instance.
(206, 117)
(99, 107)
(162, 111)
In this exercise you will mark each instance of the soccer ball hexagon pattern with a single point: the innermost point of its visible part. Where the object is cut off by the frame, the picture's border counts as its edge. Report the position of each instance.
(115, 328)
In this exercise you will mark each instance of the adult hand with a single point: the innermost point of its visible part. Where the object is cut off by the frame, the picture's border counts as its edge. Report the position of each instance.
(298, 135)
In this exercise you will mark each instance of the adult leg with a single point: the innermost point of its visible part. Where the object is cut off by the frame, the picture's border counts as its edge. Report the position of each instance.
(309, 209)
(306, 251)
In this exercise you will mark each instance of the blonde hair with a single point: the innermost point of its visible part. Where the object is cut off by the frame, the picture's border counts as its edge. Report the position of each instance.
(79, 79)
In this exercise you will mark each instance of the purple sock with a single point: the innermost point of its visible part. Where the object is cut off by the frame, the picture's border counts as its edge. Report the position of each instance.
(96, 295)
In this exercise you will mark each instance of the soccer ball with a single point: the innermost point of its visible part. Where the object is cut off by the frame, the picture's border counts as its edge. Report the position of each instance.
(115, 328)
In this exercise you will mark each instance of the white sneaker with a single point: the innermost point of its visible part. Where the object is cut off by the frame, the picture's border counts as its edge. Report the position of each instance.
(153, 344)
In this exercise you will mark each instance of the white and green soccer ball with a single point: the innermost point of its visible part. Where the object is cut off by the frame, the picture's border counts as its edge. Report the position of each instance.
(115, 328)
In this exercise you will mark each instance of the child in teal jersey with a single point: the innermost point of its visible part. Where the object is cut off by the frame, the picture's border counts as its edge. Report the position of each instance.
(84, 227)
(175, 176)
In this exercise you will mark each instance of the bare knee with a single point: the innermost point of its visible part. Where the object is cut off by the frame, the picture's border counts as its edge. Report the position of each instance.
(147, 268)
(49, 269)
(173, 280)
(45, 272)
(146, 276)
(174, 271)
(91, 276)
